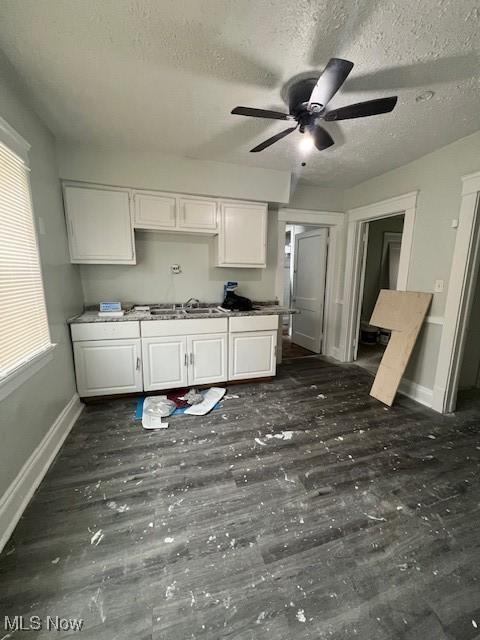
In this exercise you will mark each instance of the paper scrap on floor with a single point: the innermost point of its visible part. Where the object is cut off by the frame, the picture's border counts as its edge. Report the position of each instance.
(210, 399)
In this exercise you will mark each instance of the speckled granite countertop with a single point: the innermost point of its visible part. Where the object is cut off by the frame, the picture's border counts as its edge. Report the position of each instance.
(260, 309)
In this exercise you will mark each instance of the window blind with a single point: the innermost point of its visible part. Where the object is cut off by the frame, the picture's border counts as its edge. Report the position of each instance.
(24, 331)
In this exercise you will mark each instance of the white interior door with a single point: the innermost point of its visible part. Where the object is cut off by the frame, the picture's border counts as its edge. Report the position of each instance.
(309, 272)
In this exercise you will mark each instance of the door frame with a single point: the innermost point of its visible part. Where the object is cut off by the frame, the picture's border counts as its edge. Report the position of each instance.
(461, 288)
(305, 234)
(335, 221)
(354, 268)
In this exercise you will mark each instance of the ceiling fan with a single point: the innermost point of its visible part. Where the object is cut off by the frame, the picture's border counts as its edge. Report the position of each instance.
(308, 99)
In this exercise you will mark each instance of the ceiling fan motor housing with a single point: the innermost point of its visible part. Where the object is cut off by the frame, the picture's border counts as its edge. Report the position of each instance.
(299, 96)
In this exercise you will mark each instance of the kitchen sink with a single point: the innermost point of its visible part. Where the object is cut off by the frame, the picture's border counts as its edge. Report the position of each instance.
(165, 312)
(199, 310)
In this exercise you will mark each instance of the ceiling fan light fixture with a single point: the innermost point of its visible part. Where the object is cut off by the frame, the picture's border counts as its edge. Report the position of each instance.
(306, 143)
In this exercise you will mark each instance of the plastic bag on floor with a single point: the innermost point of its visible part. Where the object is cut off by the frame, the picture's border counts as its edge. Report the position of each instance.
(154, 409)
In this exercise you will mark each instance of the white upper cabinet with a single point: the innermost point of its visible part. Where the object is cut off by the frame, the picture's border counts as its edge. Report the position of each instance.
(172, 212)
(99, 224)
(101, 220)
(242, 238)
(154, 210)
(197, 214)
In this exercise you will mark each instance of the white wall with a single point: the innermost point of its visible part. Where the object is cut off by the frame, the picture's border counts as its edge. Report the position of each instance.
(148, 170)
(28, 413)
(437, 176)
(150, 279)
(304, 196)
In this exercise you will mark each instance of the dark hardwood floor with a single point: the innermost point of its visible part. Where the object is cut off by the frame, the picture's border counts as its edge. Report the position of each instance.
(292, 350)
(303, 509)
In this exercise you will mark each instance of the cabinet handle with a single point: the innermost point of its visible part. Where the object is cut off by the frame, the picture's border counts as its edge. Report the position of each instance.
(191, 358)
(138, 363)
(186, 359)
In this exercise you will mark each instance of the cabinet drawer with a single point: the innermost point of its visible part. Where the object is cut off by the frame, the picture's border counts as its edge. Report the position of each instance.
(253, 323)
(105, 330)
(159, 328)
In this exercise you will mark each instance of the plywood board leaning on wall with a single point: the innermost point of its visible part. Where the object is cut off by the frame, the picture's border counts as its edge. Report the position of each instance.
(403, 312)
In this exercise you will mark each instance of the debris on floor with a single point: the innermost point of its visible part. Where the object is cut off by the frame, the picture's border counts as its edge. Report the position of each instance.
(181, 405)
(210, 399)
(192, 397)
(154, 409)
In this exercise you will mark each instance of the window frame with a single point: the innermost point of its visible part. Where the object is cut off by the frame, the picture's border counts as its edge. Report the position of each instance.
(18, 145)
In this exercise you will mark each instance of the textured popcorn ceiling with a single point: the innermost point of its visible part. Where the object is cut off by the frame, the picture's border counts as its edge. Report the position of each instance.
(164, 75)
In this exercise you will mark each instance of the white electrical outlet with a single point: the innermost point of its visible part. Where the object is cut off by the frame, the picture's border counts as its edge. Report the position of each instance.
(176, 268)
(438, 286)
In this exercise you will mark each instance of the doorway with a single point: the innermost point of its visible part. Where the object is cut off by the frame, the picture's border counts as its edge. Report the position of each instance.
(383, 241)
(469, 378)
(459, 352)
(355, 259)
(305, 270)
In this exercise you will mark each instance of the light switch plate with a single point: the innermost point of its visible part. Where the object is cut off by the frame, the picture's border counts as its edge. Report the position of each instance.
(438, 286)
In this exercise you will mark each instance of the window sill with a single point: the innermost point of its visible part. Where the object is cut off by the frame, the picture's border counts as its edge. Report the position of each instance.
(25, 371)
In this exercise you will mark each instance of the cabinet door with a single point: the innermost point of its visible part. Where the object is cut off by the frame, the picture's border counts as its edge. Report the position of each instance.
(164, 362)
(99, 223)
(104, 367)
(207, 358)
(252, 354)
(243, 235)
(197, 214)
(154, 210)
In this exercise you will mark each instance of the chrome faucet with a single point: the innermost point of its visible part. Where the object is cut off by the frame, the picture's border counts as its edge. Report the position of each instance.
(192, 302)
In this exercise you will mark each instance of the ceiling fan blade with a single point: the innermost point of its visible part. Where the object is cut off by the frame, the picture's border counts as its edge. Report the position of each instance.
(363, 109)
(321, 138)
(332, 78)
(266, 143)
(260, 113)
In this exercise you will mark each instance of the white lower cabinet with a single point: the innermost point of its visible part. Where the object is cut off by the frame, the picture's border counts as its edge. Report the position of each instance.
(105, 367)
(180, 361)
(127, 357)
(207, 358)
(164, 362)
(252, 354)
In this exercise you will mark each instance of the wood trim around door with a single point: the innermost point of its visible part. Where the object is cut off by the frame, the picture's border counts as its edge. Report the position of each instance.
(461, 288)
(404, 204)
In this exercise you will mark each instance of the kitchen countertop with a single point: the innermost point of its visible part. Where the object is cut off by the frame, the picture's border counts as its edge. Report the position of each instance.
(260, 309)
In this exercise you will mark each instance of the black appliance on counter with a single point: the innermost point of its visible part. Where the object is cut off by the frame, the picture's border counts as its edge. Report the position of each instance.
(234, 302)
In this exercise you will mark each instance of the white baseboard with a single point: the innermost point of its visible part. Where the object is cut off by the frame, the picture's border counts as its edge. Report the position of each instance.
(417, 392)
(21, 490)
(336, 353)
